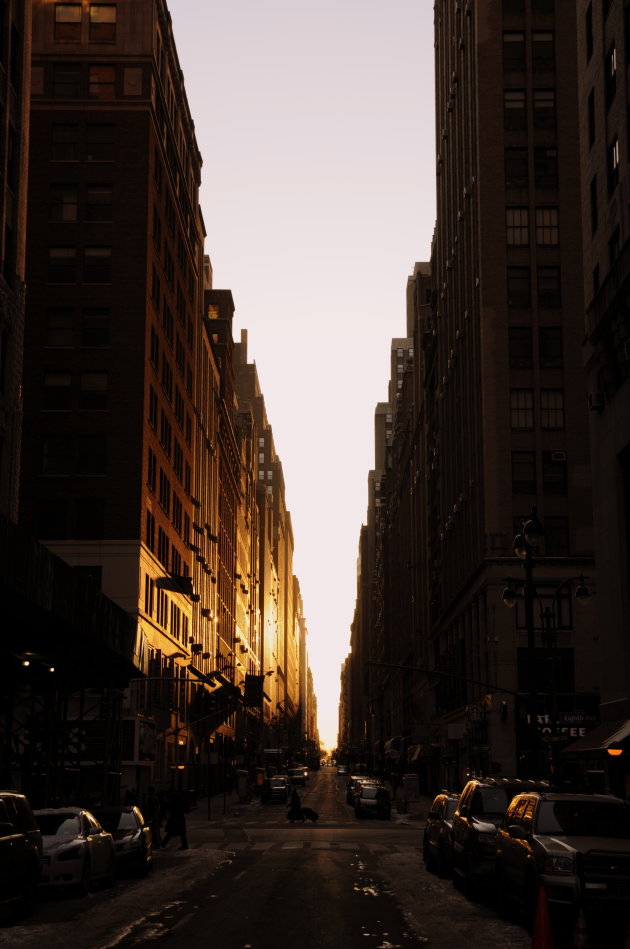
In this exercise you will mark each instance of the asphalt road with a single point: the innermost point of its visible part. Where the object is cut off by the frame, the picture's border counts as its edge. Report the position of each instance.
(251, 880)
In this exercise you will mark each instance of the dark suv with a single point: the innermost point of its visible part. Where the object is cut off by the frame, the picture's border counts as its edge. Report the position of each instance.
(482, 805)
(20, 852)
(575, 845)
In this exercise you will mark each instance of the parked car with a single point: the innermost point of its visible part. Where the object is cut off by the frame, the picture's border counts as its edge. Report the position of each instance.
(480, 810)
(575, 845)
(77, 850)
(298, 776)
(275, 789)
(437, 841)
(20, 853)
(133, 840)
(372, 800)
(354, 782)
(342, 771)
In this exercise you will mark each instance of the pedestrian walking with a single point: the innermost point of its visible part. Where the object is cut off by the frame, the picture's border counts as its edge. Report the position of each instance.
(294, 811)
(176, 820)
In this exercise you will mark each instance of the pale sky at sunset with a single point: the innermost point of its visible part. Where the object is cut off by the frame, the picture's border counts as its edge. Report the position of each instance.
(315, 123)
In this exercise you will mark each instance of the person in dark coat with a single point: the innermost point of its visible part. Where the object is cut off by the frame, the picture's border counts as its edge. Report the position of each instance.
(176, 820)
(295, 808)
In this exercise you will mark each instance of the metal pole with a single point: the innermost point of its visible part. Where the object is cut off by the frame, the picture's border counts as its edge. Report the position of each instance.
(529, 594)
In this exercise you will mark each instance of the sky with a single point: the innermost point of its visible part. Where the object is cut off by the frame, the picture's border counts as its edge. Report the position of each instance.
(315, 123)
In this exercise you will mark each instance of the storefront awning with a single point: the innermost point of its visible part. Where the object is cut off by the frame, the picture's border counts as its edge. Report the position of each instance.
(392, 747)
(600, 738)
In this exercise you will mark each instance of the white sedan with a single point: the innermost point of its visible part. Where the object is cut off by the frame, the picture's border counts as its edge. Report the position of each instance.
(77, 851)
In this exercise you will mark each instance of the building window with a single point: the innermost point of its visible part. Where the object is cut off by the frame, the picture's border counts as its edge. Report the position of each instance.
(516, 168)
(100, 141)
(550, 353)
(517, 227)
(521, 350)
(594, 206)
(102, 82)
(151, 470)
(542, 51)
(91, 455)
(163, 548)
(154, 349)
(610, 75)
(546, 167)
(547, 227)
(612, 164)
(589, 32)
(523, 472)
(52, 519)
(554, 472)
(66, 81)
(518, 287)
(613, 247)
(557, 536)
(544, 109)
(164, 496)
(591, 117)
(59, 333)
(514, 110)
(62, 264)
(57, 391)
(522, 409)
(68, 22)
(149, 536)
(64, 202)
(97, 265)
(64, 142)
(89, 518)
(177, 513)
(98, 205)
(93, 388)
(153, 408)
(95, 326)
(514, 51)
(57, 455)
(102, 22)
(166, 434)
(149, 588)
(552, 408)
(548, 279)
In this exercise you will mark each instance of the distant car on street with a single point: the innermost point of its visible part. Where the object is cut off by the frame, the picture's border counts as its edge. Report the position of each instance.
(275, 789)
(342, 771)
(298, 777)
(77, 850)
(437, 840)
(372, 800)
(133, 840)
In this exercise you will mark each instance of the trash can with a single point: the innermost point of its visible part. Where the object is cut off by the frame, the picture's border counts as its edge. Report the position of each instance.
(411, 787)
(242, 785)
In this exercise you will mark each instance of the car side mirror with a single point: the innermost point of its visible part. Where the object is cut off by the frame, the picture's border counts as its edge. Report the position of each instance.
(6, 829)
(517, 832)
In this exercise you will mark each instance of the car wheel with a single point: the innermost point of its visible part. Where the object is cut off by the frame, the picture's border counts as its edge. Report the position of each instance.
(27, 898)
(530, 902)
(505, 909)
(430, 861)
(358, 813)
(111, 872)
(144, 865)
(85, 883)
(469, 887)
(443, 868)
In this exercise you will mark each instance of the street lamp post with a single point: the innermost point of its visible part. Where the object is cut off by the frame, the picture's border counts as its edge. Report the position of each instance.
(525, 545)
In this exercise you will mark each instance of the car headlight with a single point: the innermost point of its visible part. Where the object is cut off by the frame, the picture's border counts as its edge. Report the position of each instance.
(558, 864)
(72, 853)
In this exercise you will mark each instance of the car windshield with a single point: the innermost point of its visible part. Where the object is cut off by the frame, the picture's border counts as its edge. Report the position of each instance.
(584, 819)
(59, 825)
(451, 807)
(117, 820)
(371, 793)
(494, 801)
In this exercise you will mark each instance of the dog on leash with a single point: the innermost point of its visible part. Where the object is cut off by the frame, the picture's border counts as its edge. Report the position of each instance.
(308, 813)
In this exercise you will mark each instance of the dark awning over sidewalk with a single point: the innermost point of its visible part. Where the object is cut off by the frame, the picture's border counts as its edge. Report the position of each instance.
(601, 738)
